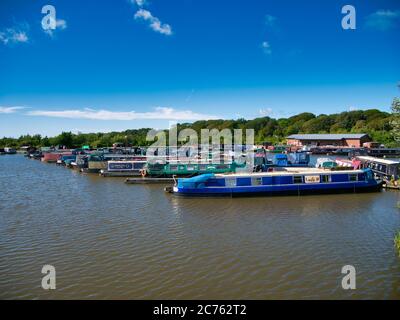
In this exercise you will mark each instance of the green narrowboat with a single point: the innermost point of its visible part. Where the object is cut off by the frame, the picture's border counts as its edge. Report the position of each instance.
(277, 149)
(188, 169)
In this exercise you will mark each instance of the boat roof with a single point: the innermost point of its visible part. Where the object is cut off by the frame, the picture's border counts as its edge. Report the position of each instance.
(288, 172)
(127, 161)
(327, 136)
(377, 160)
(320, 160)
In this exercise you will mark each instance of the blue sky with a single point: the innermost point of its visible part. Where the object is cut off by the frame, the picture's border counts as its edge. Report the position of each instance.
(119, 64)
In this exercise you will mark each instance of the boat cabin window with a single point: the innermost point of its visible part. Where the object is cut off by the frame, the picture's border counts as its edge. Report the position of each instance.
(230, 182)
(352, 177)
(256, 181)
(139, 165)
(173, 168)
(298, 179)
(325, 178)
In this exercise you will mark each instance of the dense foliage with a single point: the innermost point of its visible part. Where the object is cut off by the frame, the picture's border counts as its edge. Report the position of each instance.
(395, 120)
(381, 126)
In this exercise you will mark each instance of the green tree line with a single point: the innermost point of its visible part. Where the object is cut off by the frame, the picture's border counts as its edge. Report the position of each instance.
(382, 127)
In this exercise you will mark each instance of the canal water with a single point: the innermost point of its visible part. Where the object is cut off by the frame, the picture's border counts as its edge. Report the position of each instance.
(110, 240)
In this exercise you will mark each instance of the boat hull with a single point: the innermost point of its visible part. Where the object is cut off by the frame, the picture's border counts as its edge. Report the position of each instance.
(287, 182)
(277, 191)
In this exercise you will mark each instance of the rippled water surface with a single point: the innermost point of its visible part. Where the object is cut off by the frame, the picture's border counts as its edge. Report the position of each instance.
(110, 240)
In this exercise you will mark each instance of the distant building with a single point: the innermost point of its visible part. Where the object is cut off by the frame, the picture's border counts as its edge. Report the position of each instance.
(343, 140)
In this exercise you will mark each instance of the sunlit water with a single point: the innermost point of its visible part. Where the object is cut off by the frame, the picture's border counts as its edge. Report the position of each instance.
(110, 240)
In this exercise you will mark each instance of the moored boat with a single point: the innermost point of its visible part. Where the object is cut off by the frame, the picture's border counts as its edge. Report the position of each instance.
(188, 169)
(300, 159)
(386, 169)
(99, 161)
(348, 163)
(277, 149)
(8, 150)
(80, 162)
(326, 163)
(51, 157)
(37, 155)
(285, 181)
(66, 159)
(122, 168)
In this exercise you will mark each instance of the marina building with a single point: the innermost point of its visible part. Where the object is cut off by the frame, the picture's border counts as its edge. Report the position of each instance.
(355, 140)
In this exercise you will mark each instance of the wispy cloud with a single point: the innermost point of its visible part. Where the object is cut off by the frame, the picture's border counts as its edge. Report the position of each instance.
(383, 20)
(14, 35)
(154, 23)
(159, 113)
(265, 112)
(10, 109)
(61, 24)
(270, 21)
(139, 3)
(266, 47)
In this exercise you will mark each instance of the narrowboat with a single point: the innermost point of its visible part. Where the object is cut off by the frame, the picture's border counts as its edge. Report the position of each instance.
(384, 168)
(37, 155)
(123, 168)
(80, 162)
(327, 150)
(51, 157)
(346, 163)
(10, 150)
(66, 159)
(383, 152)
(99, 161)
(300, 159)
(277, 149)
(283, 181)
(188, 169)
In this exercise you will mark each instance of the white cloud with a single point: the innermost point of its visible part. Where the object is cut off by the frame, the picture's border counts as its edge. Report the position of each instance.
(61, 24)
(10, 109)
(160, 113)
(265, 112)
(154, 22)
(139, 3)
(383, 19)
(143, 14)
(266, 47)
(13, 35)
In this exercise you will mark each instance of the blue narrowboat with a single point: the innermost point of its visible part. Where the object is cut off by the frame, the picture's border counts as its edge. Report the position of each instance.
(285, 181)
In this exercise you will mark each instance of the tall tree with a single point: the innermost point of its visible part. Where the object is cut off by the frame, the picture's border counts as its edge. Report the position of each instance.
(396, 119)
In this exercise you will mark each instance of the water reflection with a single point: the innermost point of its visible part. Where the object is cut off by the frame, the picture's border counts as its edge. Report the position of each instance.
(112, 240)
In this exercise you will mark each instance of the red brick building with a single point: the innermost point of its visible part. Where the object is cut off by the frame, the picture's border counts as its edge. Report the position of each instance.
(355, 140)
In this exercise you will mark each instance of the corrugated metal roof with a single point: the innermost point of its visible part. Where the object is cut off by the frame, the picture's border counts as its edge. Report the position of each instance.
(327, 136)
